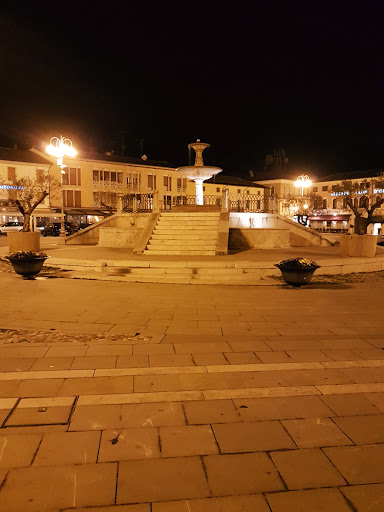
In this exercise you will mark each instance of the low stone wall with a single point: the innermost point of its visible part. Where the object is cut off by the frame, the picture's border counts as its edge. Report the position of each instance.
(300, 236)
(126, 231)
(120, 230)
(259, 238)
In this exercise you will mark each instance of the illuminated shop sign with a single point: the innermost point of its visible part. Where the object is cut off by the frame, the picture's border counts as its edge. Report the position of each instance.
(11, 187)
(378, 190)
(346, 193)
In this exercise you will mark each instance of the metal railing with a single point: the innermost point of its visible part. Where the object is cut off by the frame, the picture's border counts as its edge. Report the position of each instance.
(137, 203)
(134, 202)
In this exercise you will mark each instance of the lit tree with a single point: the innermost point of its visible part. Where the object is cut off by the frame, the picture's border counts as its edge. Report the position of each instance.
(300, 205)
(363, 201)
(27, 193)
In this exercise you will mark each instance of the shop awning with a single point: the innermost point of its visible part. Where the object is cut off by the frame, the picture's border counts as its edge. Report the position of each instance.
(330, 217)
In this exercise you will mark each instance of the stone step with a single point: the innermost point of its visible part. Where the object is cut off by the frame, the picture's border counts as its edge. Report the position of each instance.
(180, 252)
(180, 230)
(175, 222)
(171, 235)
(189, 215)
(180, 245)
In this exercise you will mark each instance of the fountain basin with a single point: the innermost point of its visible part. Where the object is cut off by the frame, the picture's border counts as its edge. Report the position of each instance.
(196, 172)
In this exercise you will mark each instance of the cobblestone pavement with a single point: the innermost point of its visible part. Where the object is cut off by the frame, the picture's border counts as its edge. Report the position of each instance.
(119, 397)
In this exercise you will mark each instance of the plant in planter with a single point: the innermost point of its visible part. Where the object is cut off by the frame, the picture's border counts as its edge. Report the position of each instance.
(297, 271)
(27, 263)
(26, 193)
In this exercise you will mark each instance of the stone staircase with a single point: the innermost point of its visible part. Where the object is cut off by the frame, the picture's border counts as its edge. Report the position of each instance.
(193, 233)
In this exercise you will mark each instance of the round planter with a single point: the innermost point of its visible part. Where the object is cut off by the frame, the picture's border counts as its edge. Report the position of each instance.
(297, 277)
(28, 267)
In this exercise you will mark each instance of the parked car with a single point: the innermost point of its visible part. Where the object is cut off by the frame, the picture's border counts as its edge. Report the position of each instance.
(53, 229)
(85, 225)
(10, 227)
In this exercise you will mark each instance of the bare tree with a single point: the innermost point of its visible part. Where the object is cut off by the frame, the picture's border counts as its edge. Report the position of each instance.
(27, 193)
(362, 200)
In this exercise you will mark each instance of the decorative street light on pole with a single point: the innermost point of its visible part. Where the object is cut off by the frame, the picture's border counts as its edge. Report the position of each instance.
(60, 148)
(303, 182)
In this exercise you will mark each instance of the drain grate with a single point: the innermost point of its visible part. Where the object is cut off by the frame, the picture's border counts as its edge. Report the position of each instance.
(41, 411)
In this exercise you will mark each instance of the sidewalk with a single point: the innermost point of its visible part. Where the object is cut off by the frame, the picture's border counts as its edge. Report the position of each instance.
(172, 398)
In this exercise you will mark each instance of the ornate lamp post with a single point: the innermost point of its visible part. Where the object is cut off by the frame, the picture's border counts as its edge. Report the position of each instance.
(303, 182)
(60, 148)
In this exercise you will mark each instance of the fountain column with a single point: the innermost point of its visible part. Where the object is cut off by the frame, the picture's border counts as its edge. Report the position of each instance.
(199, 172)
(199, 191)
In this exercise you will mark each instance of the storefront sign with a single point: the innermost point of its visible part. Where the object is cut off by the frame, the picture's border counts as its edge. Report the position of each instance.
(378, 190)
(346, 193)
(11, 187)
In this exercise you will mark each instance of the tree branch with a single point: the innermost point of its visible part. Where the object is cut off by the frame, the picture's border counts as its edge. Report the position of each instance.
(21, 209)
(38, 201)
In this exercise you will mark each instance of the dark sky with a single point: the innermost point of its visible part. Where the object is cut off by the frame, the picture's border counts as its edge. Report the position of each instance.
(246, 77)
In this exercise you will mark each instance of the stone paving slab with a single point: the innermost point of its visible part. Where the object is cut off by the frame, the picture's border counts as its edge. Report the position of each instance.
(174, 417)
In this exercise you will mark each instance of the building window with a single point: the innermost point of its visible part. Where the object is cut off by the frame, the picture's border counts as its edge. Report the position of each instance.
(168, 183)
(119, 177)
(12, 174)
(72, 198)
(324, 188)
(72, 177)
(334, 204)
(218, 189)
(39, 175)
(95, 175)
(113, 176)
(133, 180)
(315, 189)
(334, 187)
(181, 184)
(239, 191)
(324, 204)
(152, 181)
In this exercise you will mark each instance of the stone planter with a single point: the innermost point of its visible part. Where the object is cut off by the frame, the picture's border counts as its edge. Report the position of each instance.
(297, 277)
(358, 246)
(24, 241)
(27, 267)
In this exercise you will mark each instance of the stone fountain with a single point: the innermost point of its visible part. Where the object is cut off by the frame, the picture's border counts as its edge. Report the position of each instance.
(199, 172)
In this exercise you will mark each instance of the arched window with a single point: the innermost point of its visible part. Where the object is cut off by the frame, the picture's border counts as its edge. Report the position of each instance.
(324, 204)
(334, 204)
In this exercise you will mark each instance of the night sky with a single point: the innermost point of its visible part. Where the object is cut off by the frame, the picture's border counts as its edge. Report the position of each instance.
(246, 77)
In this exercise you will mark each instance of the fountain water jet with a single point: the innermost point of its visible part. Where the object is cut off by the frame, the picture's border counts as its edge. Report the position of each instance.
(199, 172)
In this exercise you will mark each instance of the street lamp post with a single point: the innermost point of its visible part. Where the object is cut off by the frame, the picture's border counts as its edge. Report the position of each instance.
(303, 182)
(60, 148)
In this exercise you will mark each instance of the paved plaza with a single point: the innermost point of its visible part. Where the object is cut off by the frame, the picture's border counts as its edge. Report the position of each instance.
(135, 397)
